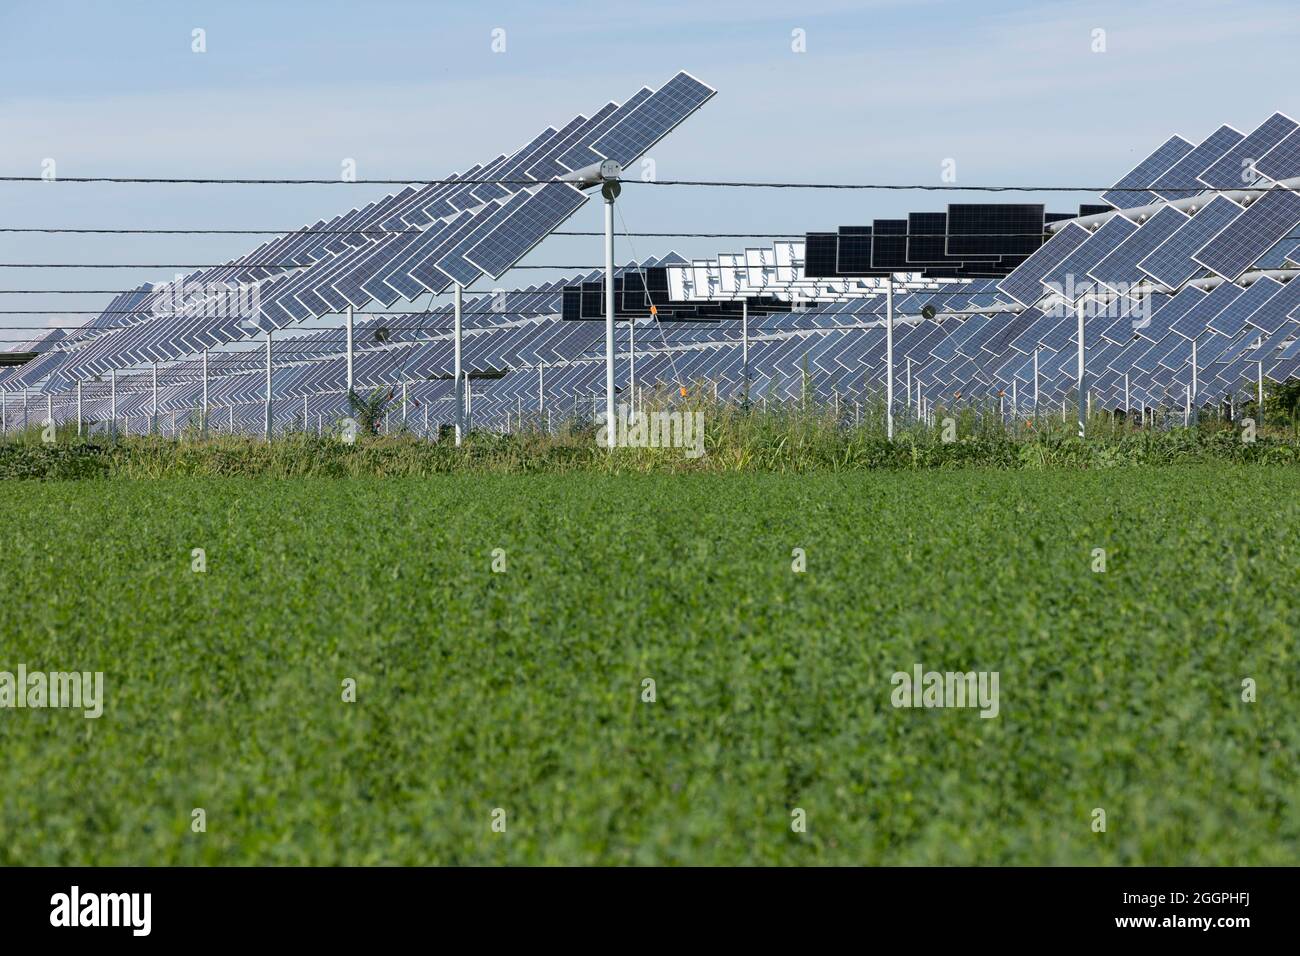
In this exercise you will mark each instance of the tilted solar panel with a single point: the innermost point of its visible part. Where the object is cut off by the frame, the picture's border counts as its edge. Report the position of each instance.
(1133, 189)
(1233, 250)
(1171, 262)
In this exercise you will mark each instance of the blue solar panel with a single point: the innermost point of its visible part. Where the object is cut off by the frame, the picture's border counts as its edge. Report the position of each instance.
(1024, 282)
(1070, 276)
(665, 108)
(1235, 317)
(1179, 181)
(1171, 263)
(1233, 250)
(1132, 189)
(526, 226)
(1120, 269)
(1235, 168)
(1283, 160)
(1196, 320)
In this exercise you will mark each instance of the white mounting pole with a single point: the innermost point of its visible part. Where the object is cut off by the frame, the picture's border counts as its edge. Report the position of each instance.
(78, 408)
(907, 391)
(349, 336)
(1035, 381)
(541, 387)
(609, 319)
(266, 430)
(889, 357)
(304, 403)
(631, 361)
(153, 412)
(204, 420)
(459, 381)
(1259, 393)
(744, 344)
(1082, 398)
(305, 426)
(1193, 389)
(1015, 405)
(1127, 404)
(24, 406)
(112, 400)
(49, 408)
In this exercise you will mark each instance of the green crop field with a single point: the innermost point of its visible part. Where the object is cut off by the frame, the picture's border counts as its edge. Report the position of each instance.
(522, 691)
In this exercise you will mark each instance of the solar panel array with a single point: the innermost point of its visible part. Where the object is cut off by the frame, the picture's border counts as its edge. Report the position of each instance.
(1150, 285)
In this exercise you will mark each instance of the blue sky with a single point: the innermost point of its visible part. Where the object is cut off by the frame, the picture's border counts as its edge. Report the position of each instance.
(885, 92)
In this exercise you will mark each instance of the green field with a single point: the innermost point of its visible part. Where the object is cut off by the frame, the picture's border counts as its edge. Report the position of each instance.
(522, 690)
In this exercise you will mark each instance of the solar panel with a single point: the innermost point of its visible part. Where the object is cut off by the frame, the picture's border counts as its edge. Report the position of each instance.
(1024, 283)
(994, 229)
(1234, 249)
(1133, 188)
(1120, 268)
(525, 227)
(1179, 180)
(1235, 169)
(665, 108)
(1283, 160)
(1070, 276)
(1171, 262)
(1235, 318)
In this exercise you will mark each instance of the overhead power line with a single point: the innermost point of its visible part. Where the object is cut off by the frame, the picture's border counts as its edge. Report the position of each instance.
(742, 184)
(308, 231)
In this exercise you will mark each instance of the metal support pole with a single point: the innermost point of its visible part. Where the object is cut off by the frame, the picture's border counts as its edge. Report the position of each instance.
(403, 403)
(1193, 389)
(541, 388)
(744, 344)
(1127, 404)
(609, 319)
(1083, 385)
(49, 408)
(1259, 395)
(1015, 405)
(631, 361)
(1035, 382)
(24, 407)
(112, 401)
(889, 357)
(907, 392)
(266, 430)
(203, 421)
(153, 411)
(78, 408)
(349, 337)
(459, 381)
(305, 426)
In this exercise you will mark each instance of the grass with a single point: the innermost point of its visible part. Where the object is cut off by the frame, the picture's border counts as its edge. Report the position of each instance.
(521, 690)
(789, 440)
